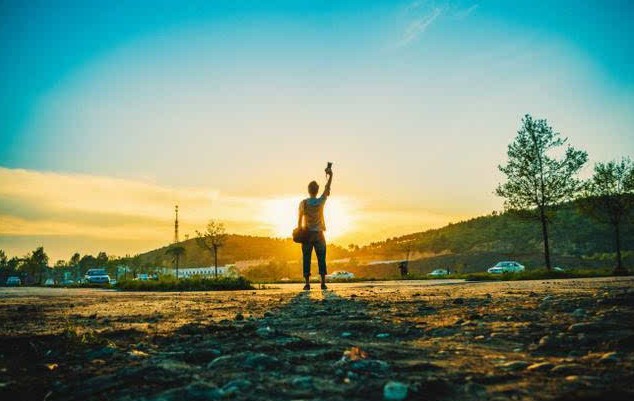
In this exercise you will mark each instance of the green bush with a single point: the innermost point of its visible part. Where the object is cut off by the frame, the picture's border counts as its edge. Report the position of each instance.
(189, 284)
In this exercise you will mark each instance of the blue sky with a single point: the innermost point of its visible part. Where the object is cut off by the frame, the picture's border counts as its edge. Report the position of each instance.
(415, 101)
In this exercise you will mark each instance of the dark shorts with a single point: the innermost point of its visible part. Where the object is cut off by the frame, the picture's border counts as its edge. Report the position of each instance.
(317, 241)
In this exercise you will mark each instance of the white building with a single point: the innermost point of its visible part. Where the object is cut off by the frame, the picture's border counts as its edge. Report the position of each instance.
(209, 271)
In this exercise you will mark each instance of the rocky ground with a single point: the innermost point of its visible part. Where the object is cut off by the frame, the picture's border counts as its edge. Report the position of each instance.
(550, 340)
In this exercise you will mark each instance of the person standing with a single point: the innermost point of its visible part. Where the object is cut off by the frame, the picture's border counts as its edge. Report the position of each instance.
(311, 219)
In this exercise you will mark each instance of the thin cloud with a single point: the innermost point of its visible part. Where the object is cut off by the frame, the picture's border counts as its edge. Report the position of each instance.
(420, 23)
(464, 13)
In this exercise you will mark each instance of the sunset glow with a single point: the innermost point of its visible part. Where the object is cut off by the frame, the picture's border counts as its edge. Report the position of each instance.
(277, 214)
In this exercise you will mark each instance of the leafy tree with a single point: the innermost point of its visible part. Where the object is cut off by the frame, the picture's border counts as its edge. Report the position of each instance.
(102, 259)
(3, 260)
(36, 263)
(537, 179)
(87, 262)
(211, 239)
(610, 199)
(176, 251)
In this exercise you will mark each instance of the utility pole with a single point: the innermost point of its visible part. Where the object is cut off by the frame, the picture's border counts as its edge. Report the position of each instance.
(176, 241)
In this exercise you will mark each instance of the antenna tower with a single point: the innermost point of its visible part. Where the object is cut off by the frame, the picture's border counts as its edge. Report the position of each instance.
(176, 227)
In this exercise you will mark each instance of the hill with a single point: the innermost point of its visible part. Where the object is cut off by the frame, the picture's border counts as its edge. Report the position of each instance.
(237, 248)
(472, 245)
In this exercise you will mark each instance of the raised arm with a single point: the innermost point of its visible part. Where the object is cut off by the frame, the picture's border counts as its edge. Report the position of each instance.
(327, 188)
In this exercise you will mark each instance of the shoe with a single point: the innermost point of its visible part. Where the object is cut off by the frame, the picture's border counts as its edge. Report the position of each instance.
(323, 287)
(307, 287)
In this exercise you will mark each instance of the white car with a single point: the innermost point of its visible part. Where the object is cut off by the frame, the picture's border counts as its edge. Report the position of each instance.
(438, 273)
(340, 275)
(506, 267)
(97, 276)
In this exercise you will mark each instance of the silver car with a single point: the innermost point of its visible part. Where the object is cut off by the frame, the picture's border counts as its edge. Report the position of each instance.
(97, 276)
(506, 267)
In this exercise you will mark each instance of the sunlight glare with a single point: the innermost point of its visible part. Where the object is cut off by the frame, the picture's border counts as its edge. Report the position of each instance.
(281, 215)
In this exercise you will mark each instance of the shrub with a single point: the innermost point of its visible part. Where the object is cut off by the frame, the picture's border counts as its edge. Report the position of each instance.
(189, 284)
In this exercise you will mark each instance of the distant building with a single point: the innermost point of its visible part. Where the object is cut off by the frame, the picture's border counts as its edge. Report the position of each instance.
(208, 271)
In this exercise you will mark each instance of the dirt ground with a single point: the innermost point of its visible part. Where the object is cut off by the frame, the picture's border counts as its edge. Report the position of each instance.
(532, 340)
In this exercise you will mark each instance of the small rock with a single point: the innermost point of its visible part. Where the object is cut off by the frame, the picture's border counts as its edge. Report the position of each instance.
(458, 301)
(610, 357)
(514, 365)
(567, 369)
(264, 332)
(221, 360)
(395, 391)
(370, 366)
(239, 317)
(303, 382)
(540, 367)
(579, 313)
(260, 361)
(584, 327)
(235, 386)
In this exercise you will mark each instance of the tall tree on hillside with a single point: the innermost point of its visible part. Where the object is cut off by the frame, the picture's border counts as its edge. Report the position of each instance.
(211, 239)
(176, 251)
(537, 179)
(610, 198)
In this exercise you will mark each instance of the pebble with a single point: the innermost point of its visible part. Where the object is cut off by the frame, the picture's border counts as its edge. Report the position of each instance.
(514, 365)
(610, 357)
(395, 391)
(584, 327)
(540, 367)
(303, 382)
(235, 386)
(221, 360)
(260, 361)
(567, 369)
(265, 331)
(372, 366)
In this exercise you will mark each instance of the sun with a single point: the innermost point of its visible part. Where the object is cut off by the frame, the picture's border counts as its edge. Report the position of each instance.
(281, 215)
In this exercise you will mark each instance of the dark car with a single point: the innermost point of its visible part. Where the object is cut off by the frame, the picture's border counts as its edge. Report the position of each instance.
(97, 276)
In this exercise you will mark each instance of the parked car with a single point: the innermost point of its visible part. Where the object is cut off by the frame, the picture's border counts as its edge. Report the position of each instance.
(506, 267)
(68, 282)
(14, 281)
(439, 273)
(142, 277)
(340, 275)
(113, 281)
(49, 282)
(97, 276)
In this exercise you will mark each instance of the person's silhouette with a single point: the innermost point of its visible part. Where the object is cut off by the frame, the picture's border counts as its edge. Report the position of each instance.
(311, 218)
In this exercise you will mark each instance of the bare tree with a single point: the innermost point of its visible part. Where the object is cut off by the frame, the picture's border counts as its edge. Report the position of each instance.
(536, 179)
(176, 251)
(211, 239)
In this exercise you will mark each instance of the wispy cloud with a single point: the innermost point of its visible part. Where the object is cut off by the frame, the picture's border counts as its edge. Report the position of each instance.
(423, 18)
(465, 12)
